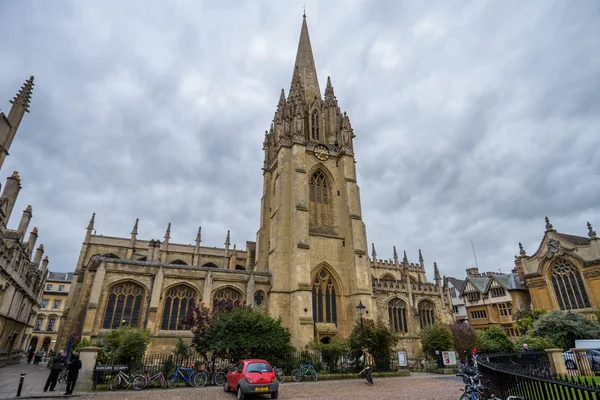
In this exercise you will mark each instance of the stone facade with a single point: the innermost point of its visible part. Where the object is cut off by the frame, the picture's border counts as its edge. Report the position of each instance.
(564, 271)
(47, 320)
(309, 265)
(22, 270)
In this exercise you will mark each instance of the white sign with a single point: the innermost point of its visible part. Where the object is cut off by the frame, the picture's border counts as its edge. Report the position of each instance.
(402, 362)
(449, 357)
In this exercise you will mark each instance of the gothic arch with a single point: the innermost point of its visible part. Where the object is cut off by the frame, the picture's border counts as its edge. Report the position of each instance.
(228, 293)
(178, 262)
(320, 198)
(240, 267)
(210, 265)
(316, 133)
(178, 302)
(326, 295)
(111, 255)
(143, 259)
(426, 310)
(568, 286)
(398, 315)
(388, 276)
(124, 303)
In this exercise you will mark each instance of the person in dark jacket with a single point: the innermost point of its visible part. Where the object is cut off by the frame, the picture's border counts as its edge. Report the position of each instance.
(57, 365)
(73, 368)
(30, 354)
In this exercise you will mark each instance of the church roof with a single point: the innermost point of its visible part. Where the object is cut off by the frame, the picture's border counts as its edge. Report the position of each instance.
(305, 65)
(579, 240)
(509, 281)
(479, 283)
(60, 276)
(457, 283)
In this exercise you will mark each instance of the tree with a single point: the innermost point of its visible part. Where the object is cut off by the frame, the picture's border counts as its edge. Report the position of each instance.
(494, 340)
(379, 339)
(464, 338)
(82, 343)
(563, 328)
(526, 318)
(597, 314)
(240, 333)
(333, 351)
(125, 345)
(182, 350)
(536, 343)
(436, 337)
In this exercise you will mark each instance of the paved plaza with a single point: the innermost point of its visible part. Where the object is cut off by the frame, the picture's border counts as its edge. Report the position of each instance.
(421, 386)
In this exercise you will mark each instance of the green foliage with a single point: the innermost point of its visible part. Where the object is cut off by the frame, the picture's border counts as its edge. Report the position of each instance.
(333, 351)
(597, 314)
(464, 339)
(494, 340)
(436, 337)
(125, 345)
(563, 328)
(242, 333)
(182, 350)
(536, 343)
(82, 343)
(526, 318)
(379, 339)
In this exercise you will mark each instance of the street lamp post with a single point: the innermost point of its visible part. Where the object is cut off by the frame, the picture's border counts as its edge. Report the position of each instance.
(361, 310)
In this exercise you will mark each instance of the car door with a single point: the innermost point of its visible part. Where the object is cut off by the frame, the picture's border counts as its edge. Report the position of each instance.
(232, 376)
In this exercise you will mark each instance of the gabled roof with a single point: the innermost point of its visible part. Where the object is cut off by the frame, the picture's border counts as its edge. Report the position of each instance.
(578, 240)
(509, 281)
(457, 283)
(479, 283)
(60, 276)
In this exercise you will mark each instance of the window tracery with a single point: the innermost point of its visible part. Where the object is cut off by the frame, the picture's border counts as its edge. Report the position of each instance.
(315, 126)
(179, 302)
(324, 298)
(319, 199)
(123, 306)
(568, 286)
(426, 313)
(397, 315)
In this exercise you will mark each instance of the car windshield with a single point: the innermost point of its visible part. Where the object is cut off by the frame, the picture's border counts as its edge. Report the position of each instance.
(258, 367)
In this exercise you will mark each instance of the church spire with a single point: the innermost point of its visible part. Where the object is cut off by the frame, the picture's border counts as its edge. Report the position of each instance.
(305, 65)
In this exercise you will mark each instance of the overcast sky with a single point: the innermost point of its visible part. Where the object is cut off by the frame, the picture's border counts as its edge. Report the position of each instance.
(473, 119)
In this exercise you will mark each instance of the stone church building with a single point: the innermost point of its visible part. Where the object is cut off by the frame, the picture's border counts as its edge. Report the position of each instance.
(310, 263)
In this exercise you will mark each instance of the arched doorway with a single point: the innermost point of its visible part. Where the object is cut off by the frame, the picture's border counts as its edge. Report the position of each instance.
(46, 343)
(33, 343)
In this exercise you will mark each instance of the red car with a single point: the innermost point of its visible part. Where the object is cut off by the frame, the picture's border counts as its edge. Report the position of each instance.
(252, 377)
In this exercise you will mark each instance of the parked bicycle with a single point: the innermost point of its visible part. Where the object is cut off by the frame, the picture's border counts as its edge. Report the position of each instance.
(304, 370)
(189, 377)
(217, 377)
(279, 374)
(158, 377)
(124, 381)
(62, 377)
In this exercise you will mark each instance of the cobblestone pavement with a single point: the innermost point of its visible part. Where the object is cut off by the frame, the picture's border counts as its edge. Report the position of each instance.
(417, 386)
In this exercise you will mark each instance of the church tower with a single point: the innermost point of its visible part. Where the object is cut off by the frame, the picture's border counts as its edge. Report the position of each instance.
(312, 238)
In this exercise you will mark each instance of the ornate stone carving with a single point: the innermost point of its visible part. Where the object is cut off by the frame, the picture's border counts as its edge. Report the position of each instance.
(592, 274)
(536, 284)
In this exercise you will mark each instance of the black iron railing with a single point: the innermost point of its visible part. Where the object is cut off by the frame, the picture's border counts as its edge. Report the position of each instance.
(531, 376)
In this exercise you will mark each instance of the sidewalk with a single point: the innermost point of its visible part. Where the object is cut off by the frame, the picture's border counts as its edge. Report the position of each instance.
(34, 382)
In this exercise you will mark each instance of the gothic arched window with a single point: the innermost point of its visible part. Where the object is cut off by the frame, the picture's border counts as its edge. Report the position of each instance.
(568, 286)
(426, 313)
(397, 314)
(319, 199)
(324, 298)
(123, 306)
(226, 298)
(314, 133)
(179, 302)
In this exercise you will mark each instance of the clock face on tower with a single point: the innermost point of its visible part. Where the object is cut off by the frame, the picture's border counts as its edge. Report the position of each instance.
(321, 152)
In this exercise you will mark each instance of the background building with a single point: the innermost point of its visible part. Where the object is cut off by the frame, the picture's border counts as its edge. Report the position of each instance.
(459, 309)
(47, 320)
(309, 265)
(493, 300)
(22, 270)
(564, 271)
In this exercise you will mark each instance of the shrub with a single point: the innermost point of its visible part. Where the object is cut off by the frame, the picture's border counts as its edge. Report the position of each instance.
(125, 345)
(182, 350)
(563, 328)
(378, 338)
(436, 337)
(464, 339)
(536, 343)
(526, 318)
(494, 340)
(82, 343)
(332, 352)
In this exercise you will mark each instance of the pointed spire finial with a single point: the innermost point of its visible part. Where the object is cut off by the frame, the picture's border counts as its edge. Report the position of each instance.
(405, 259)
(305, 64)
(135, 227)
(521, 249)
(591, 232)
(168, 232)
(395, 255)
(548, 224)
(23, 98)
(436, 271)
(199, 235)
(91, 224)
(227, 239)
(373, 252)
(421, 256)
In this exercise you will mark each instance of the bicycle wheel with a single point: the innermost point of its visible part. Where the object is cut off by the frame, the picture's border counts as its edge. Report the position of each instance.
(162, 381)
(281, 376)
(220, 378)
(201, 379)
(297, 375)
(314, 375)
(115, 383)
(62, 377)
(173, 380)
(139, 382)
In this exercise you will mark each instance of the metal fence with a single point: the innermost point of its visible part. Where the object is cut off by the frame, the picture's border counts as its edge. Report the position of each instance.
(531, 376)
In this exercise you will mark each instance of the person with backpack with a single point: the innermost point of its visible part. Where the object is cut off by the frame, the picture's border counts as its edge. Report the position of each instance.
(55, 368)
(368, 366)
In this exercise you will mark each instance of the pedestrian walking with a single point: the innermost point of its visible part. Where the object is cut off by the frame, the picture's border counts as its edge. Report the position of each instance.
(368, 367)
(55, 368)
(30, 353)
(73, 373)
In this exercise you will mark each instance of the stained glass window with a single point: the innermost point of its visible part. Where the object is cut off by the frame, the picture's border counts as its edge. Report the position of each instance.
(179, 302)
(397, 315)
(123, 306)
(259, 298)
(319, 199)
(568, 286)
(426, 313)
(324, 298)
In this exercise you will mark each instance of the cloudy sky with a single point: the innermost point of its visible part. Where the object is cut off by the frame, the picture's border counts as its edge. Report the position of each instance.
(474, 120)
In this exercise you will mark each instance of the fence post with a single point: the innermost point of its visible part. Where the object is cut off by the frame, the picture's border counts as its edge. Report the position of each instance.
(557, 362)
(20, 384)
(88, 356)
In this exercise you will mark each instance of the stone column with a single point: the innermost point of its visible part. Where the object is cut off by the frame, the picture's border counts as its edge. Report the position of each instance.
(88, 356)
(557, 361)
(154, 301)
(207, 289)
(92, 306)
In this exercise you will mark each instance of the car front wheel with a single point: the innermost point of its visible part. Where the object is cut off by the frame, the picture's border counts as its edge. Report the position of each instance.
(274, 395)
(240, 394)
